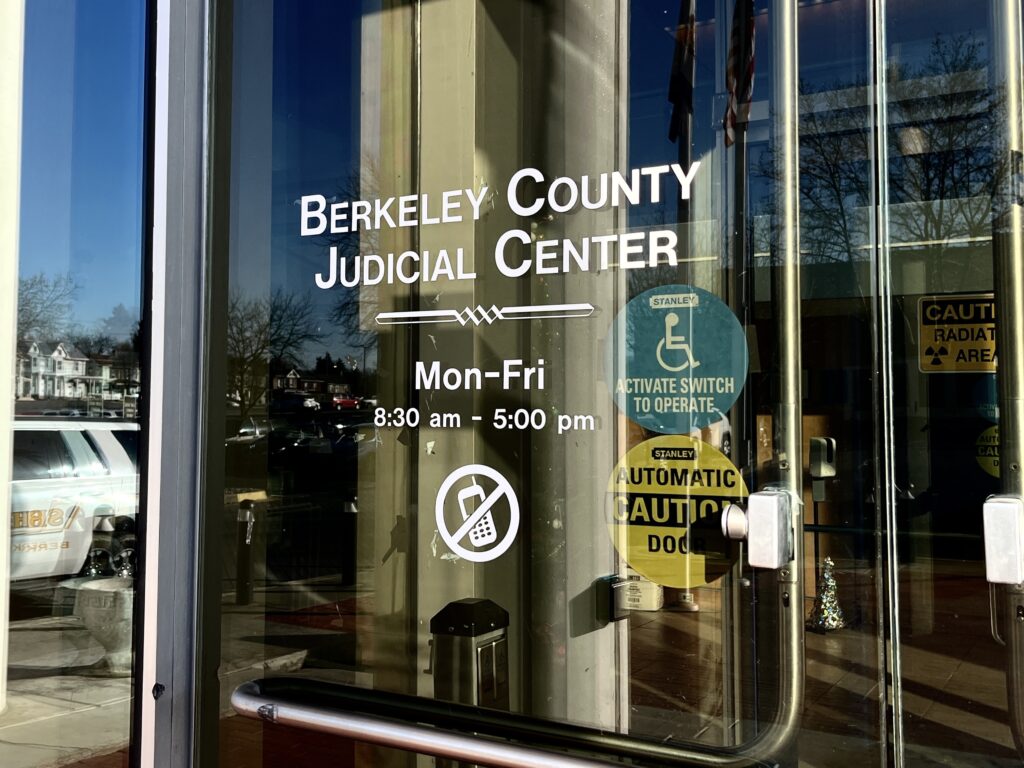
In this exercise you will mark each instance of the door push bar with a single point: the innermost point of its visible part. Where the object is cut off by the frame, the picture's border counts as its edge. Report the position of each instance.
(464, 732)
(248, 700)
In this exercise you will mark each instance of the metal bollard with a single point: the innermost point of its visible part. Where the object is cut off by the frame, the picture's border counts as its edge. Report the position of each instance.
(469, 653)
(243, 557)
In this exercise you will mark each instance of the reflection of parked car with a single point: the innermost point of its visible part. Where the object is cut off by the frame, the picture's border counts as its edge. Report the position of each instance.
(291, 402)
(251, 430)
(346, 401)
(74, 488)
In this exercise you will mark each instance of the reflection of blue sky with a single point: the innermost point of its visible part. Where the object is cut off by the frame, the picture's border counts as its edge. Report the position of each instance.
(81, 175)
(316, 128)
(82, 121)
(295, 127)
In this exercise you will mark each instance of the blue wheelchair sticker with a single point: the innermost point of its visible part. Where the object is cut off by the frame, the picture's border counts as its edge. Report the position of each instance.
(676, 359)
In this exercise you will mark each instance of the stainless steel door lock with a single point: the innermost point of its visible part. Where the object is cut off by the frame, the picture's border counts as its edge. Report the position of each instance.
(767, 526)
(1004, 539)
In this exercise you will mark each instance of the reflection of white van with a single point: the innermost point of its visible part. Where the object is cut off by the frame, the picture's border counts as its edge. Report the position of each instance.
(74, 487)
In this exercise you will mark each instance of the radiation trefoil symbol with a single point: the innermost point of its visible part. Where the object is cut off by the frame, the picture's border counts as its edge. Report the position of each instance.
(936, 354)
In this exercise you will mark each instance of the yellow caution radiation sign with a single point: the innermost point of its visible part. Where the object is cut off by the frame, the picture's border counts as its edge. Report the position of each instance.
(666, 498)
(986, 450)
(957, 333)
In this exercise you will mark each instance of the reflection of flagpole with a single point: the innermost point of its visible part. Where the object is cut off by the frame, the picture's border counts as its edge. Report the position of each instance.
(680, 94)
(739, 81)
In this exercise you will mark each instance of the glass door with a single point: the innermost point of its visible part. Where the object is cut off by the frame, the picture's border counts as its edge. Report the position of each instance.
(953, 235)
(74, 328)
(588, 375)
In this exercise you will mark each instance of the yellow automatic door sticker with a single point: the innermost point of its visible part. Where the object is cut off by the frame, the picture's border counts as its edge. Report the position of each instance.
(665, 499)
(987, 450)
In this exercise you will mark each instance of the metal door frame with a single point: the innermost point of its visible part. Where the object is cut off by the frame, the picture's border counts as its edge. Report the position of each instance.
(166, 685)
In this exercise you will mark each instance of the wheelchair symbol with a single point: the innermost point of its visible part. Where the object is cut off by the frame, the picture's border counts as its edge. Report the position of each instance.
(675, 342)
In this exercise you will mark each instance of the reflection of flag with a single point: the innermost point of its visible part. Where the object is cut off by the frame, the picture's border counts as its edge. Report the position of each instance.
(680, 84)
(739, 71)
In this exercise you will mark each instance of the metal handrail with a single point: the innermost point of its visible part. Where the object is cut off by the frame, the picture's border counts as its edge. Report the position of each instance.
(424, 725)
(250, 702)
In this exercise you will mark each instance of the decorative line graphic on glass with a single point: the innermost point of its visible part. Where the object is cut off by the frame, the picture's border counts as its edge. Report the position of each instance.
(484, 532)
(480, 314)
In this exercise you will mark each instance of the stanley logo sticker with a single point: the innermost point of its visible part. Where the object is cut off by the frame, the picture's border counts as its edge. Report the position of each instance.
(665, 502)
(957, 333)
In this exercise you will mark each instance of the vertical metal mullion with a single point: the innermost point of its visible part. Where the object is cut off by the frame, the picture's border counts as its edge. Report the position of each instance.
(789, 440)
(1008, 272)
(172, 481)
(12, 51)
(885, 469)
(145, 364)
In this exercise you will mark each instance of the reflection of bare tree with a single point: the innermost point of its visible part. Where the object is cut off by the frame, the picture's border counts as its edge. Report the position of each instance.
(44, 306)
(354, 308)
(262, 331)
(835, 173)
(942, 168)
(942, 180)
(94, 344)
(121, 323)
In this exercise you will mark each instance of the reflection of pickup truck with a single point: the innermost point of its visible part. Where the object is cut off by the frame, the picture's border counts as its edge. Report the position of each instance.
(74, 488)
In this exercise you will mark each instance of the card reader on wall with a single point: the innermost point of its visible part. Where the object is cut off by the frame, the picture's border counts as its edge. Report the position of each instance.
(1004, 539)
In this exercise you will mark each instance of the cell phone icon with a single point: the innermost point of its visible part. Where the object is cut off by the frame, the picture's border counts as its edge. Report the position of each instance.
(484, 532)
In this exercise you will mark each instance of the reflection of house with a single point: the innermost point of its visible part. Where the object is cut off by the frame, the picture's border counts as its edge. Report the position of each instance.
(289, 380)
(296, 382)
(59, 369)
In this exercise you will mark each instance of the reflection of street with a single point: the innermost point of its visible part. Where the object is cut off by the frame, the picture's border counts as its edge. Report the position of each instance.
(54, 691)
(300, 474)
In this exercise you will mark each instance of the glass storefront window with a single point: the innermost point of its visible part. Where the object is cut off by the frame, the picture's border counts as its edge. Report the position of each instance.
(71, 551)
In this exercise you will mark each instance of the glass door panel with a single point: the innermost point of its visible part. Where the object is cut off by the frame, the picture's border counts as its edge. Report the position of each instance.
(517, 302)
(72, 263)
(950, 138)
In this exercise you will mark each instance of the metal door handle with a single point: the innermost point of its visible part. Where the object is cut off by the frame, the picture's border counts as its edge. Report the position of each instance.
(468, 733)
(993, 614)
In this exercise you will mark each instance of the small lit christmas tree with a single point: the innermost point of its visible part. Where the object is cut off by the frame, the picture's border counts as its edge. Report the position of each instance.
(827, 616)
